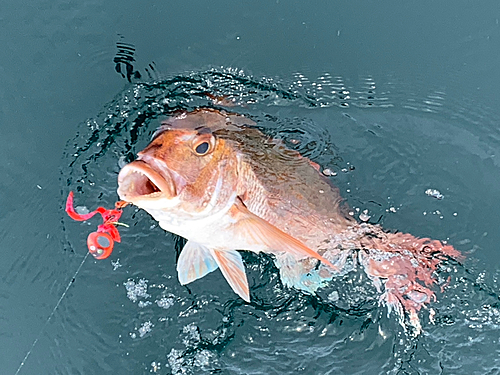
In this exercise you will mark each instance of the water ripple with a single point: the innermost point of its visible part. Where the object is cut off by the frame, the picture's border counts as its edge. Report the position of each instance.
(373, 125)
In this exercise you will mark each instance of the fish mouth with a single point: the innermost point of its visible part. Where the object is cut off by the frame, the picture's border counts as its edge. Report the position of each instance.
(148, 179)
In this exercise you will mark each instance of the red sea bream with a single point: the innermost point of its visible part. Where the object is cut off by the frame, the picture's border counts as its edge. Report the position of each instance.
(216, 180)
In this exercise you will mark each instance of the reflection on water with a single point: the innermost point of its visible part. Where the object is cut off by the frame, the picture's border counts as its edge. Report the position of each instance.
(385, 144)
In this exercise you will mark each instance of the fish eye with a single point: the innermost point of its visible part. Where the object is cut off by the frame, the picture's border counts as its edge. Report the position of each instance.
(203, 143)
(202, 148)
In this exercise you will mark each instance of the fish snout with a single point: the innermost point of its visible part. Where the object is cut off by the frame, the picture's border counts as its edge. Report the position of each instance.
(143, 180)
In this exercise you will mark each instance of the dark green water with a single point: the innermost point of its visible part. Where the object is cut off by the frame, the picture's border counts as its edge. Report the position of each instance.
(407, 94)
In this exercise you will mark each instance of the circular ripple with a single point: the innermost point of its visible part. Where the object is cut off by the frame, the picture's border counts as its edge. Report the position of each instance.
(374, 133)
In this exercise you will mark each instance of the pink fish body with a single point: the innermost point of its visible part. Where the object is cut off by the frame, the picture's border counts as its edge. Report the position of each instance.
(214, 179)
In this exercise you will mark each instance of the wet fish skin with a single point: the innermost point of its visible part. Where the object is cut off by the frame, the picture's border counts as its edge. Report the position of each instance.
(214, 179)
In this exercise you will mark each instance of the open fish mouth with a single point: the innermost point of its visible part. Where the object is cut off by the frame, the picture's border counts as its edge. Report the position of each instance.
(146, 179)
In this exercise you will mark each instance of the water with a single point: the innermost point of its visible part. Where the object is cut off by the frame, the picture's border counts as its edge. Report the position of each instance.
(414, 108)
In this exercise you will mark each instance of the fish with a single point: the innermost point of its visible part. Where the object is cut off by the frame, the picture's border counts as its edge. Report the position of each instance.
(215, 179)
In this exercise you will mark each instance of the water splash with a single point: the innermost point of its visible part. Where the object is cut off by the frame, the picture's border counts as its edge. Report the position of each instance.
(328, 330)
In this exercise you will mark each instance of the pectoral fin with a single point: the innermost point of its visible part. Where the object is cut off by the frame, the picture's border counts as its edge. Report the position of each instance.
(274, 239)
(194, 262)
(232, 268)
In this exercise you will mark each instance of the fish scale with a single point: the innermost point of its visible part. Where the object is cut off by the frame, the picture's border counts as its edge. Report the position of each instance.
(267, 198)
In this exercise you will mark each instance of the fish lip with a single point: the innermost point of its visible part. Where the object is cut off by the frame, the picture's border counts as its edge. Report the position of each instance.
(146, 178)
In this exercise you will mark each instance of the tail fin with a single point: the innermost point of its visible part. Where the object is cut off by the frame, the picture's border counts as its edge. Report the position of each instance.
(406, 265)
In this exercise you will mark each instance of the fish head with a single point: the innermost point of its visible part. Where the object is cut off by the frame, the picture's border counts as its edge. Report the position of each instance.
(197, 176)
(187, 171)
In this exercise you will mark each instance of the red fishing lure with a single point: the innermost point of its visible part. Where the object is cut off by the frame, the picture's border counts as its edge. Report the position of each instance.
(100, 242)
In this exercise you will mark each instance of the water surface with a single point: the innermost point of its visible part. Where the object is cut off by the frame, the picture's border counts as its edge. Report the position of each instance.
(401, 97)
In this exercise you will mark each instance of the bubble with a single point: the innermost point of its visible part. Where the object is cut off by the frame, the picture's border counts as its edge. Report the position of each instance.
(434, 193)
(136, 290)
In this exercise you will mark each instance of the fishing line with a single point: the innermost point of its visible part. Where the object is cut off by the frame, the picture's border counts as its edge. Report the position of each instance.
(51, 314)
